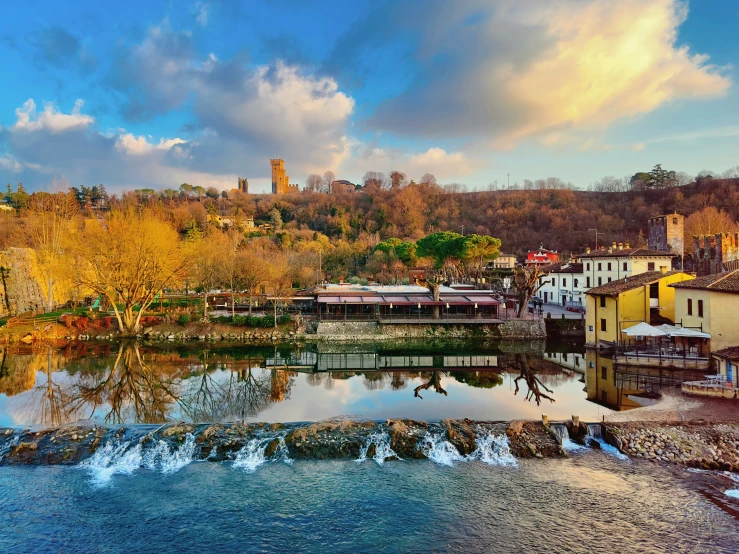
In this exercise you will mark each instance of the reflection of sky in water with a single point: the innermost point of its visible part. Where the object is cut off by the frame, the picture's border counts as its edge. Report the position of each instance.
(313, 397)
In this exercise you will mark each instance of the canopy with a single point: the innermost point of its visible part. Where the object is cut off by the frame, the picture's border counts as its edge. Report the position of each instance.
(644, 330)
(674, 331)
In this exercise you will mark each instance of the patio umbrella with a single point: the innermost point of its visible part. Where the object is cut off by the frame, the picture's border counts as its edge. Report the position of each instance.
(675, 331)
(643, 330)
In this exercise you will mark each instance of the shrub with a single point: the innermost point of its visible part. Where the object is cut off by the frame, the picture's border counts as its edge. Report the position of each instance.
(184, 319)
(284, 318)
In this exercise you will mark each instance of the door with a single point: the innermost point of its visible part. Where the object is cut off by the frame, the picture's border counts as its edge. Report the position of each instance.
(564, 300)
(545, 296)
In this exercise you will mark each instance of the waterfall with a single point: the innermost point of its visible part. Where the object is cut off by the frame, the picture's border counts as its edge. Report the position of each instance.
(382, 448)
(564, 439)
(491, 449)
(123, 458)
(494, 450)
(5, 448)
(594, 434)
(439, 450)
(254, 453)
(168, 461)
(113, 458)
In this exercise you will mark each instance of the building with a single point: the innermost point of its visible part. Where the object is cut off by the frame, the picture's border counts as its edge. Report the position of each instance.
(403, 303)
(542, 257)
(280, 180)
(666, 233)
(711, 305)
(342, 185)
(602, 266)
(726, 364)
(563, 285)
(244, 185)
(715, 253)
(503, 261)
(616, 306)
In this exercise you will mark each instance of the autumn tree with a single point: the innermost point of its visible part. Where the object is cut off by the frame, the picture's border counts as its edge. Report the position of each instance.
(129, 258)
(207, 257)
(252, 273)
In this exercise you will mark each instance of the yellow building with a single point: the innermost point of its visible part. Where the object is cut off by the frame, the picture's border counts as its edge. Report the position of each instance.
(710, 304)
(616, 306)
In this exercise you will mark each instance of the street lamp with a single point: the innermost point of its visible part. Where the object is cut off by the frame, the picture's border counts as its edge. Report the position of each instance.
(596, 237)
(419, 311)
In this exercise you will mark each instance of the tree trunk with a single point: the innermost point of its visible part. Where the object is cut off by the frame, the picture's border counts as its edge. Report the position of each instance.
(51, 294)
(249, 304)
(274, 301)
(233, 304)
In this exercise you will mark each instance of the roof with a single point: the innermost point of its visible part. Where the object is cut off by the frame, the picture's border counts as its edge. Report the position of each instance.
(411, 300)
(347, 290)
(720, 282)
(731, 353)
(627, 253)
(569, 268)
(614, 288)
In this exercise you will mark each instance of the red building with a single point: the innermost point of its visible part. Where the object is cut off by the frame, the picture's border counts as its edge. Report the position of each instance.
(542, 257)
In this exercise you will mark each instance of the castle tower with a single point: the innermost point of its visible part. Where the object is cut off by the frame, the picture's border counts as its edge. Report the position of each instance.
(280, 181)
(666, 233)
(244, 185)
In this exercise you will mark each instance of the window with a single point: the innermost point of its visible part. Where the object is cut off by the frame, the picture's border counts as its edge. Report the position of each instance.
(674, 221)
(654, 290)
(564, 282)
(609, 279)
(575, 283)
(650, 266)
(587, 282)
(700, 308)
(609, 266)
(626, 266)
(554, 282)
(587, 266)
(577, 361)
(602, 301)
(600, 281)
(603, 325)
(603, 372)
(600, 266)
(690, 306)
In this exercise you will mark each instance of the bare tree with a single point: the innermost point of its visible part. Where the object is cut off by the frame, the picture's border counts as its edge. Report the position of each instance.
(397, 180)
(528, 281)
(313, 183)
(374, 179)
(428, 179)
(328, 178)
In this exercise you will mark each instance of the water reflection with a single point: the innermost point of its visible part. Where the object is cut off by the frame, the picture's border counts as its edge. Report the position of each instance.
(131, 383)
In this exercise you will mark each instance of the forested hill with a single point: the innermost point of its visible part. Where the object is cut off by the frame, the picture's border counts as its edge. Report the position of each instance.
(522, 219)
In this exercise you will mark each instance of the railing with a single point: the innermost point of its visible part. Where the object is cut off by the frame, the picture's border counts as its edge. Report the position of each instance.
(405, 317)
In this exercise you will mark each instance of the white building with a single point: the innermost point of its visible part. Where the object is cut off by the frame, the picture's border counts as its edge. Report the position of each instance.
(566, 284)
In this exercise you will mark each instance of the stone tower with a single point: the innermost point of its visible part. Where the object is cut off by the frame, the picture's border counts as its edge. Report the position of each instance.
(715, 253)
(244, 185)
(666, 233)
(280, 180)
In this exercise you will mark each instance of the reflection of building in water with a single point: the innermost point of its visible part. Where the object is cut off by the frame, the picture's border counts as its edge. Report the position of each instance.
(364, 361)
(280, 385)
(570, 360)
(627, 387)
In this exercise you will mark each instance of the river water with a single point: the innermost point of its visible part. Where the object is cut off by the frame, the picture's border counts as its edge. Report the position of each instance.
(125, 499)
(589, 503)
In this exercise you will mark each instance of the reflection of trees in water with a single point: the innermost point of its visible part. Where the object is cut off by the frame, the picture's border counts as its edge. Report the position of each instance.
(398, 381)
(479, 379)
(532, 381)
(434, 381)
(374, 380)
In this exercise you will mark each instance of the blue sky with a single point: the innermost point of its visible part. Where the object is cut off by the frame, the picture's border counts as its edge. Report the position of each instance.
(153, 94)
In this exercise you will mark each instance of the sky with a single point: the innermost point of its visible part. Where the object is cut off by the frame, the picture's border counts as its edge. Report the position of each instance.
(152, 94)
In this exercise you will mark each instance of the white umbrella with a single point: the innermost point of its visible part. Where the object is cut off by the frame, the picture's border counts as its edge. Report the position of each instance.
(675, 331)
(643, 330)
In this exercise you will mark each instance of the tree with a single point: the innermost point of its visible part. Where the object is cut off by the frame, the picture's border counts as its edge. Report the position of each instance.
(275, 219)
(50, 224)
(129, 258)
(280, 280)
(707, 221)
(200, 191)
(528, 282)
(477, 250)
(328, 178)
(212, 192)
(397, 180)
(206, 263)
(374, 179)
(428, 179)
(313, 183)
(186, 189)
(441, 248)
(252, 272)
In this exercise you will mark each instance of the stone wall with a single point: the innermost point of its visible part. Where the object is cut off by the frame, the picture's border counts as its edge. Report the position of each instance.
(372, 331)
(21, 290)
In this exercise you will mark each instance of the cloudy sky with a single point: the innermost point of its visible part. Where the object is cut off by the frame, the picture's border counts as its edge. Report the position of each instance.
(156, 93)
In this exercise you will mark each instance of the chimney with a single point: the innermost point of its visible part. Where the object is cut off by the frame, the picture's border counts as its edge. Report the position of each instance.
(620, 245)
(627, 246)
(613, 246)
(663, 269)
(587, 250)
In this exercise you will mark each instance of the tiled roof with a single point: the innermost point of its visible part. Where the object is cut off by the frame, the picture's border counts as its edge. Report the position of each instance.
(731, 353)
(614, 288)
(625, 253)
(721, 282)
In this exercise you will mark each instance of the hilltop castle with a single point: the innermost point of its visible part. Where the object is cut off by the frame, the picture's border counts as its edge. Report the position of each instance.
(280, 181)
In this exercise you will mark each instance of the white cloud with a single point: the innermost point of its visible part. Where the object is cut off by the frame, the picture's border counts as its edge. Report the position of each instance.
(138, 146)
(534, 69)
(202, 11)
(9, 163)
(51, 118)
(442, 164)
